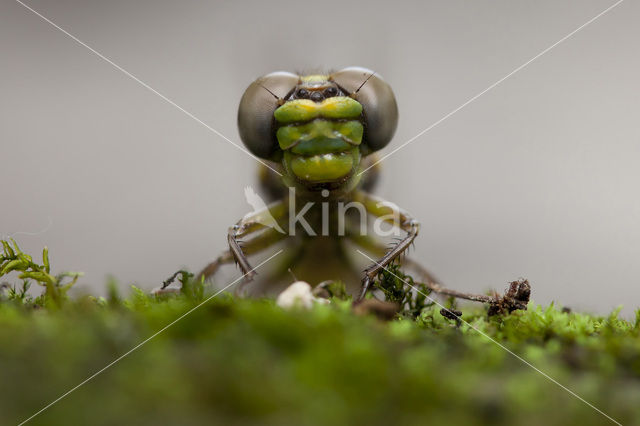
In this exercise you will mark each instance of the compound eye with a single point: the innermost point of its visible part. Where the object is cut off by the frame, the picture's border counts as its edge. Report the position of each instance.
(378, 103)
(255, 113)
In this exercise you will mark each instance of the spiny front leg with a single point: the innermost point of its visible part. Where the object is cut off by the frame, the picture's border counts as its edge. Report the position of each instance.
(376, 248)
(256, 243)
(250, 246)
(239, 255)
(392, 214)
(515, 297)
(265, 219)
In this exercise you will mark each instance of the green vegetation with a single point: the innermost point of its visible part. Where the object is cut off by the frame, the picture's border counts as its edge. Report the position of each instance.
(237, 361)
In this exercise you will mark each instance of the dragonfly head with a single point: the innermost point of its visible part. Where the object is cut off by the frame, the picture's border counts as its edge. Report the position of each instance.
(318, 126)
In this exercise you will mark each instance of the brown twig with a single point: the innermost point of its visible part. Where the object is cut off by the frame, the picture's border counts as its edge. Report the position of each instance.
(516, 297)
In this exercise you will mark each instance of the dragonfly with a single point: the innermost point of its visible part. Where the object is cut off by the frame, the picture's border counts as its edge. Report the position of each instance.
(316, 137)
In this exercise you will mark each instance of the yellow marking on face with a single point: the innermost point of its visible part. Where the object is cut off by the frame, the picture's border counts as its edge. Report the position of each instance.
(300, 110)
(349, 132)
(314, 78)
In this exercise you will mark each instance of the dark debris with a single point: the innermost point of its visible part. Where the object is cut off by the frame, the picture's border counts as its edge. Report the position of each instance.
(516, 297)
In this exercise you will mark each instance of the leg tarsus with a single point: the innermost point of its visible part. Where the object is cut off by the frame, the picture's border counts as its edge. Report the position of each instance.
(366, 283)
(236, 252)
(239, 256)
(379, 208)
(516, 297)
(252, 223)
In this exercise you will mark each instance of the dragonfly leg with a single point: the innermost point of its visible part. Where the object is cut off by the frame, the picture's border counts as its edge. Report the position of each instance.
(267, 220)
(248, 247)
(397, 217)
(515, 298)
(259, 220)
(377, 248)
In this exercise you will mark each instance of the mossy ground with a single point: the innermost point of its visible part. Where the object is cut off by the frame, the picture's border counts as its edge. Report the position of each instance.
(247, 361)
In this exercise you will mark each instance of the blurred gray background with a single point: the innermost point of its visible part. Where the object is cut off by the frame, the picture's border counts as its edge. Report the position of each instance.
(537, 178)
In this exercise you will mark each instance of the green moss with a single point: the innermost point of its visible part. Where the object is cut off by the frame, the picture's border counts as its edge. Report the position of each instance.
(240, 361)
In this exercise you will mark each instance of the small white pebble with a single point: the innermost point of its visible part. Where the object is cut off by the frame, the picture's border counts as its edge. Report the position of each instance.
(298, 294)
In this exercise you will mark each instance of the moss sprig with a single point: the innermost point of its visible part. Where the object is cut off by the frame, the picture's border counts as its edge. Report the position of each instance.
(13, 259)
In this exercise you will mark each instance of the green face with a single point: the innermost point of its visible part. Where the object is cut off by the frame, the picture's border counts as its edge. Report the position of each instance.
(318, 126)
(320, 130)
